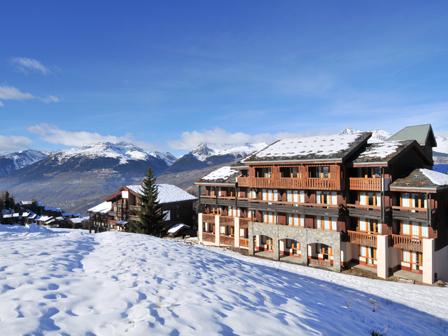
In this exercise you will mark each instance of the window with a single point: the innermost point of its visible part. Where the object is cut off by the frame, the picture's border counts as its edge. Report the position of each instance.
(292, 172)
(370, 198)
(368, 225)
(326, 224)
(263, 172)
(326, 197)
(319, 172)
(370, 172)
(167, 215)
(414, 230)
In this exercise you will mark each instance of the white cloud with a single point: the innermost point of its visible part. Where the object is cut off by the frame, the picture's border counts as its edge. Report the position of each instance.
(218, 136)
(54, 135)
(12, 93)
(27, 65)
(13, 143)
(51, 99)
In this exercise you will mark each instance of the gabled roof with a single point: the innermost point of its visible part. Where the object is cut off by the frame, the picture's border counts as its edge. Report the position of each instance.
(421, 133)
(226, 174)
(168, 193)
(425, 179)
(316, 148)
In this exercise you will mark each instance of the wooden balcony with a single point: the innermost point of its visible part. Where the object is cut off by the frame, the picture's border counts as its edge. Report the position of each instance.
(226, 220)
(362, 238)
(208, 237)
(365, 183)
(320, 262)
(412, 214)
(368, 211)
(244, 222)
(407, 243)
(209, 218)
(244, 242)
(226, 240)
(290, 183)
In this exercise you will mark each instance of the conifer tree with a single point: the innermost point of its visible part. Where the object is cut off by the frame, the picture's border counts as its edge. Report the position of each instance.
(151, 215)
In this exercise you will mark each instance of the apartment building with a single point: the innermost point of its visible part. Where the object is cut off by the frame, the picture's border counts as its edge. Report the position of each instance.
(334, 202)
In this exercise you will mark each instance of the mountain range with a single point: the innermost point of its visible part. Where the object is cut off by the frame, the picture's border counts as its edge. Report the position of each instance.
(78, 178)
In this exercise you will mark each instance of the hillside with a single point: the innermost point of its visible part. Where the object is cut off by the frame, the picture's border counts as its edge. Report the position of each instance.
(73, 283)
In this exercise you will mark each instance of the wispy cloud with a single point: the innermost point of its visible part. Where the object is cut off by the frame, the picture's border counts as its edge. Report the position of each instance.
(13, 143)
(12, 93)
(29, 65)
(55, 135)
(217, 136)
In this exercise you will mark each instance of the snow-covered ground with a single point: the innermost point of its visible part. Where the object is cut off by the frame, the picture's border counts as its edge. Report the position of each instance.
(66, 282)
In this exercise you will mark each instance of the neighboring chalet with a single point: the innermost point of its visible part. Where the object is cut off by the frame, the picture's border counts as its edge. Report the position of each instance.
(123, 207)
(335, 202)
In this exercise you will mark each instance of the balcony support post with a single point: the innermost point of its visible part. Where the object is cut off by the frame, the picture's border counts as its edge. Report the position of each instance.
(428, 260)
(200, 224)
(382, 256)
(217, 230)
(236, 232)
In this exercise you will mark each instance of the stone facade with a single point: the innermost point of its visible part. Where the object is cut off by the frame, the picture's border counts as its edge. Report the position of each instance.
(302, 235)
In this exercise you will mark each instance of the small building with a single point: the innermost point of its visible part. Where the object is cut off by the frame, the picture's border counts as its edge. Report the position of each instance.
(123, 207)
(99, 216)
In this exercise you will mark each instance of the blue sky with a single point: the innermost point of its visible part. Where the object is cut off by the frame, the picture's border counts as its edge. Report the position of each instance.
(170, 74)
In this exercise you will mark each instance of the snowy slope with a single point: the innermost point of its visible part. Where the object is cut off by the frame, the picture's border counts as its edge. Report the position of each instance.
(70, 282)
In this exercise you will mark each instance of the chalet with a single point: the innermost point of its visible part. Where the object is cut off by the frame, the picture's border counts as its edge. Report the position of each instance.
(334, 202)
(123, 207)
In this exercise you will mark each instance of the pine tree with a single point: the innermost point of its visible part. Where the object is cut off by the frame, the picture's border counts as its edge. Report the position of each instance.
(151, 215)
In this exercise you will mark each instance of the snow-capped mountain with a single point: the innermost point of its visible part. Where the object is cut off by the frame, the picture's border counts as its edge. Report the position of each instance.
(165, 156)
(207, 155)
(77, 178)
(123, 152)
(18, 160)
(377, 135)
(203, 151)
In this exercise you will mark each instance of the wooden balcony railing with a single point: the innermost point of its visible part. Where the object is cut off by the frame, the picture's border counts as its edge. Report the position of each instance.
(407, 243)
(209, 218)
(244, 222)
(364, 207)
(226, 240)
(410, 209)
(320, 262)
(244, 242)
(365, 183)
(362, 238)
(290, 183)
(208, 236)
(226, 220)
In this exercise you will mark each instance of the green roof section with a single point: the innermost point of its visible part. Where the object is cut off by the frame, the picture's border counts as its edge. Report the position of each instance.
(421, 133)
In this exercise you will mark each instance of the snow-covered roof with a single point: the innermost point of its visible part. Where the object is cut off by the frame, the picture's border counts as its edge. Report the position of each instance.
(223, 174)
(168, 193)
(177, 227)
(325, 147)
(79, 220)
(437, 178)
(421, 179)
(382, 151)
(102, 208)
